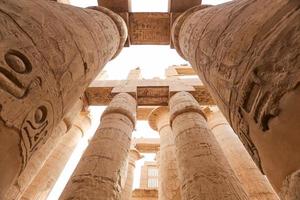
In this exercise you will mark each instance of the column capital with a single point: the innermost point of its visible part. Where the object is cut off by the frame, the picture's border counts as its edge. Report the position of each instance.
(119, 22)
(82, 122)
(178, 24)
(122, 103)
(183, 102)
(134, 155)
(156, 115)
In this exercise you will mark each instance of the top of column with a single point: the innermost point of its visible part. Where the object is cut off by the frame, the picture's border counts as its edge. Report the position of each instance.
(119, 22)
(177, 27)
(122, 103)
(158, 116)
(183, 102)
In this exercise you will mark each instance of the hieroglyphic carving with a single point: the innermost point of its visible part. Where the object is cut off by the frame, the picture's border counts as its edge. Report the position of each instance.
(149, 28)
(201, 162)
(155, 95)
(36, 129)
(45, 65)
(38, 123)
(251, 67)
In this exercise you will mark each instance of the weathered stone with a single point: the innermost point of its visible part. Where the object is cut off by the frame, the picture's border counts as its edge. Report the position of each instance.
(247, 54)
(42, 184)
(204, 172)
(50, 53)
(116, 5)
(134, 155)
(291, 187)
(147, 145)
(142, 194)
(42, 154)
(253, 181)
(149, 28)
(101, 170)
(181, 6)
(169, 185)
(149, 92)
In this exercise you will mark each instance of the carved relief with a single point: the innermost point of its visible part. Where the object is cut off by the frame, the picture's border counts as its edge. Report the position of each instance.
(149, 28)
(36, 129)
(10, 83)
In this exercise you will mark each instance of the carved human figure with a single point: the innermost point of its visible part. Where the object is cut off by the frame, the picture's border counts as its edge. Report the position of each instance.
(247, 54)
(101, 171)
(203, 169)
(49, 54)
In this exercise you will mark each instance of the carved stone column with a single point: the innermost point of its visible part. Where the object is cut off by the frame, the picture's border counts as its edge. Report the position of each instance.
(41, 155)
(50, 53)
(101, 170)
(203, 169)
(35, 164)
(48, 175)
(254, 182)
(247, 54)
(134, 155)
(169, 185)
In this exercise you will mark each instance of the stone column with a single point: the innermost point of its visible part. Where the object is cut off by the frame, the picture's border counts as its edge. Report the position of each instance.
(134, 155)
(43, 183)
(169, 185)
(254, 182)
(41, 155)
(247, 54)
(203, 169)
(101, 170)
(36, 163)
(50, 53)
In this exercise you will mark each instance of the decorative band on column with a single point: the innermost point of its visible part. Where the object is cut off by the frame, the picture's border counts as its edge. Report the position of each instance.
(122, 103)
(181, 105)
(120, 23)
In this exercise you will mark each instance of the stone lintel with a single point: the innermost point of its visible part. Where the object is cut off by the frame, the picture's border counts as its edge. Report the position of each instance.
(147, 145)
(148, 92)
(139, 194)
(116, 5)
(149, 28)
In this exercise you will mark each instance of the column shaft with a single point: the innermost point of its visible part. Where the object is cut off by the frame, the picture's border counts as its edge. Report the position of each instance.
(48, 175)
(50, 53)
(41, 155)
(134, 155)
(203, 169)
(253, 181)
(100, 173)
(169, 184)
(247, 54)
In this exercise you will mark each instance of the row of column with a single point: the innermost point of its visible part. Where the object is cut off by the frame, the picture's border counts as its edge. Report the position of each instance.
(247, 55)
(192, 162)
(203, 160)
(193, 154)
(248, 61)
